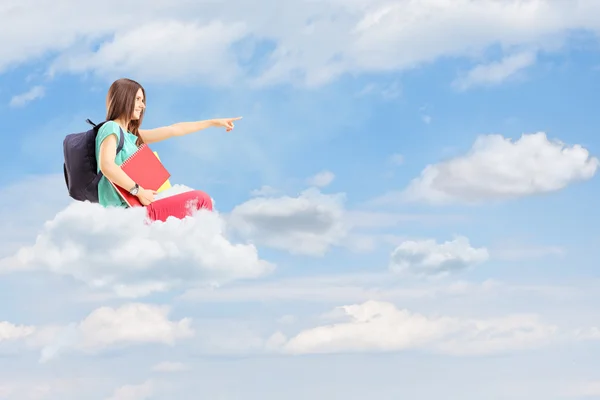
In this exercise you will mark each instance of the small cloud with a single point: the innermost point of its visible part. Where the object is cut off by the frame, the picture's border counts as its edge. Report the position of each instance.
(495, 73)
(396, 159)
(308, 224)
(428, 258)
(10, 331)
(387, 92)
(264, 191)
(591, 333)
(498, 168)
(22, 99)
(322, 179)
(392, 91)
(106, 327)
(425, 115)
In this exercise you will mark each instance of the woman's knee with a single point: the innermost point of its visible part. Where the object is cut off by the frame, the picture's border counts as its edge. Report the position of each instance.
(203, 200)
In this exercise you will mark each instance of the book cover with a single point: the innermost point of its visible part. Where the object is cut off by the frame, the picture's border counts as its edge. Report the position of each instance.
(145, 168)
(167, 184)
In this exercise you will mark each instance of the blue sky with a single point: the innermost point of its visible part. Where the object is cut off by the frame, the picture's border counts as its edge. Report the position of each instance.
(408, 207)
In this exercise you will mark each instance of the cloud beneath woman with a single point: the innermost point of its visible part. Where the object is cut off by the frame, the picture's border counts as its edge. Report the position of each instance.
(116, 250)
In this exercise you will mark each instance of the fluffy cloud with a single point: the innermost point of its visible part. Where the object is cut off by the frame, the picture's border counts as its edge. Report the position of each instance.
(178, 53)
(106, 327)
(427, 258)
(307, 224)
(221, 41)
(115, 249)
(132, 323)
(498, 168)
(380, 326)
(10, 331)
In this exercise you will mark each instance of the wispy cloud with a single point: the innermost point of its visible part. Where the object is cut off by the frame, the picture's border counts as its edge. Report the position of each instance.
(496, 72)
(20, 100)
(358, 37)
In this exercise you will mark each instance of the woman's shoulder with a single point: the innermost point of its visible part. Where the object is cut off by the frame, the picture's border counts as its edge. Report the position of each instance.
(108, 127)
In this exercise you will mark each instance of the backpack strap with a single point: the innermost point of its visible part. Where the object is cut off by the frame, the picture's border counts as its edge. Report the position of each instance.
(121, 134)
(121, 140)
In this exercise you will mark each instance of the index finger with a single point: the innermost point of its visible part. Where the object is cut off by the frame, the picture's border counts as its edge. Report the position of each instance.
(236, 118)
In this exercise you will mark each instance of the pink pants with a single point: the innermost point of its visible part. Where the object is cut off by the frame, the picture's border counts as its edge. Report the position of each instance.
(179, 205)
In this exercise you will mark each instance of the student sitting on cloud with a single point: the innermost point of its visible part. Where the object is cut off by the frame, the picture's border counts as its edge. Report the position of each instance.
(96, 161)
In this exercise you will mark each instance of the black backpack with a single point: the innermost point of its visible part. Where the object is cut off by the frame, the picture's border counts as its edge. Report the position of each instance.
(80, 164)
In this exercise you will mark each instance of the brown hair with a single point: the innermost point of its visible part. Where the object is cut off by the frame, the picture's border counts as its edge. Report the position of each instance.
(120, 103)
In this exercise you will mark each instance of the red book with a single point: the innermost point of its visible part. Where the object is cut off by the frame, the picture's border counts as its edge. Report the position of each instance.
(146, 170)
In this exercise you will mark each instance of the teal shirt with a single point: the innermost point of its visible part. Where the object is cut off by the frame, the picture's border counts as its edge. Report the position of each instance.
(107, 194)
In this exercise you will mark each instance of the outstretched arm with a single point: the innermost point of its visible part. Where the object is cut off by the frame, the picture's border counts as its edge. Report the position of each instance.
(184, 128)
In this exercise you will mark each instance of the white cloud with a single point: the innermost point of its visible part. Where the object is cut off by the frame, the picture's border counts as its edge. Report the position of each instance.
(173, 190)
(425, 114)
(184, 40)
(115, 249)
(387, 92)
(428, 258)
(132, 323)
(106, 327)
(322, 179)
(169, 51)
(592, 333)
(265, 191)
(495, 73)
(32, 94)
(307, 224)
(10, 331)
(396, 159)
(498, 168)
(141, 391)
(380, 326)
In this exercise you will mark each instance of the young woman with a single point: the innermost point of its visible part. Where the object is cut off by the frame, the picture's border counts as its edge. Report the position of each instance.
(125, 104)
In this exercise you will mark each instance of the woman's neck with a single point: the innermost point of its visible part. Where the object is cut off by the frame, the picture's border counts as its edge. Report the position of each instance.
(123, 124)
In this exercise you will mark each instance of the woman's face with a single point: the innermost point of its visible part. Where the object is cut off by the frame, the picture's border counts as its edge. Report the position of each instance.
(139, 105)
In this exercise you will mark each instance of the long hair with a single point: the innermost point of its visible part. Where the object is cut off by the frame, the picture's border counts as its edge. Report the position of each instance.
(120, 103)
